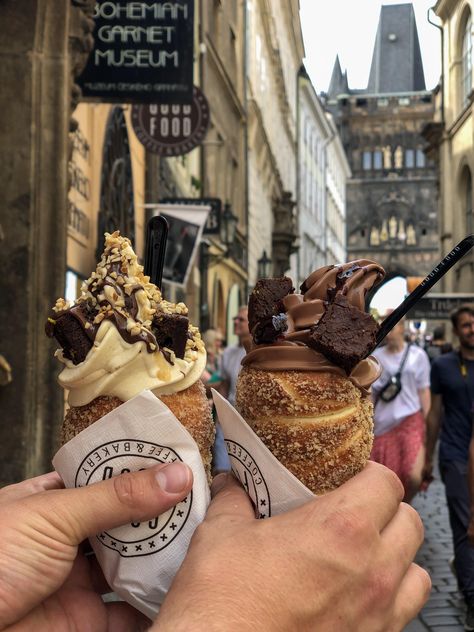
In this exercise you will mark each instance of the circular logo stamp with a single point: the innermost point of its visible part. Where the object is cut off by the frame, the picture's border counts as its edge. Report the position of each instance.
(249, 474)
(115, 457)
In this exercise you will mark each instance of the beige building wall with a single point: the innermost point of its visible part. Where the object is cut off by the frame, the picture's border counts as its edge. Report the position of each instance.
(275, 53)
(456, 143)
(224, 169)
(314, 136)
(338, 173)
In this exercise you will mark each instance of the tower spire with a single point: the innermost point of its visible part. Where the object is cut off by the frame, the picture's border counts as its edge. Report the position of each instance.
(396, 60)
(338, 84)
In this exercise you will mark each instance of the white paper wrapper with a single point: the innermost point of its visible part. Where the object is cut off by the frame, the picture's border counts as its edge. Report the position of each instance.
(139, 560)
(272, 488)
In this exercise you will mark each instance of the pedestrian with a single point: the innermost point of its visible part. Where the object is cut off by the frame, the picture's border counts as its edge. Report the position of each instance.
(212, 339)
(438, 345)
(450, 418)
(401, 403)
(233, 355)
(352, 549)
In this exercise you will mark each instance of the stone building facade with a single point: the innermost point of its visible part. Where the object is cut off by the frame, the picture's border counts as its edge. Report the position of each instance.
(392, 195)
(224, 166)
(451, 137)
(323, 171)
(275, 53)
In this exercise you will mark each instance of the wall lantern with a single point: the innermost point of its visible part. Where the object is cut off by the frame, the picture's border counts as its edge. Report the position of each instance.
(264, 266)
(228, 226)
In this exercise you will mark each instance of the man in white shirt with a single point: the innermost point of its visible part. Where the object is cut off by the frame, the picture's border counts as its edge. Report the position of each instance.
(399, 424)
(232, 356)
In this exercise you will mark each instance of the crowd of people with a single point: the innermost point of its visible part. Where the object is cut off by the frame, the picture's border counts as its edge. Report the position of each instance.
(424, 398)
(352, 550)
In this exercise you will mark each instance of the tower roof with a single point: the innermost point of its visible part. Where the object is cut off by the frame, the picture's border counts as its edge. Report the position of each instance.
(338, 84)
(396, 61)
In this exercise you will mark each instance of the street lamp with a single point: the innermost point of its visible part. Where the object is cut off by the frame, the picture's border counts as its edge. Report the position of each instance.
(228, 226)
(264, 266)
(227, 234)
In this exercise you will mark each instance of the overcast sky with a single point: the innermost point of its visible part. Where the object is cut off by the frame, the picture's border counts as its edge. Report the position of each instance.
(348, 28)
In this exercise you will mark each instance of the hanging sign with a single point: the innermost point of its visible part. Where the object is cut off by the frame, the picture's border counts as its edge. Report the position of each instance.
(172, 130)
(438, 306)
(185, 226)
(143, 52)
(213, 223)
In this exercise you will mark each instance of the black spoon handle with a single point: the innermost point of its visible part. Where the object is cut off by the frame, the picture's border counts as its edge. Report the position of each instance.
(433, 277)
(155, 247)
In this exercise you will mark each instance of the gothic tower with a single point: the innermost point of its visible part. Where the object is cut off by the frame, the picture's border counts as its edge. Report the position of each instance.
(391, 197)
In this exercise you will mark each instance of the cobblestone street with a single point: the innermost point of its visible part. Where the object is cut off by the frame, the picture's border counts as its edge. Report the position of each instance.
(444, 611)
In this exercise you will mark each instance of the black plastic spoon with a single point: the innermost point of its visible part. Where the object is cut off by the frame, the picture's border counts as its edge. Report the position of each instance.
(433, 277)
(155, 248)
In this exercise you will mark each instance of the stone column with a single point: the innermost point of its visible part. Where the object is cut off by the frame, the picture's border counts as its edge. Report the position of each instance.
(37, 63)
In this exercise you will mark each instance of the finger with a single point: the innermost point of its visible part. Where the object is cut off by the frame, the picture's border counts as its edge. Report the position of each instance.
(376, 487)
(413, 593)
(229, 498)
(122, 618)
(42, 483)
(400, 540)
(131, 497)
(99, 583)
(87, 574)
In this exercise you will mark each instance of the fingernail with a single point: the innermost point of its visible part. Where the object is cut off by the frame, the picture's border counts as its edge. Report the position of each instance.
(174, 478)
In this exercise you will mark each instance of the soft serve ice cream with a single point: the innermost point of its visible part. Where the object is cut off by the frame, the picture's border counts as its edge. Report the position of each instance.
(121, 337)
(304, 386)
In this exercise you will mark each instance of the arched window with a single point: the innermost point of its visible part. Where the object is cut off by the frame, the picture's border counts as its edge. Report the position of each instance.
(467, 61)
(378, 159)
(366, 160)
(420, 158)
(409, 158)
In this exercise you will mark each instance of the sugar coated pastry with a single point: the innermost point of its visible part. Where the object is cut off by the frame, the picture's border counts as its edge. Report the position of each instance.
(304, 386)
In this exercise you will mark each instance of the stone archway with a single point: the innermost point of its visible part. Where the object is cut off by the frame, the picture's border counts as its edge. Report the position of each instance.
(218, 307)
(390, 274)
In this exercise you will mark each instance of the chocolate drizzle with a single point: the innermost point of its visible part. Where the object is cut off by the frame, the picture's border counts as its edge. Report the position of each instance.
(119, 292)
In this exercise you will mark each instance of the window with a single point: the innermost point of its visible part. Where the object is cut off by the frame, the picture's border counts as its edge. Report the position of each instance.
(467, 62)
(378, 163)
(366, 160)
(73, 286)
(409, 158)
(420, 158)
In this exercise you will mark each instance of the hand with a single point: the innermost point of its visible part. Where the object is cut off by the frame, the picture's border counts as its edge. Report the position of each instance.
(340, 562)
(470, 530)
(44, 584)
(426, 474)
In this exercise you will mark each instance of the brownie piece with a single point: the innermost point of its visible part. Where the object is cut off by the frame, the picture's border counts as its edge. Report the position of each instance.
(266, 311)
(69, 331)
(344, 334)
(171, 331)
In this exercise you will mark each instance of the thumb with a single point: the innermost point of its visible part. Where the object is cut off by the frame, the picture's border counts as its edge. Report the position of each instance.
(131, 497)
